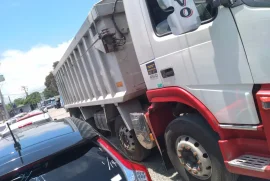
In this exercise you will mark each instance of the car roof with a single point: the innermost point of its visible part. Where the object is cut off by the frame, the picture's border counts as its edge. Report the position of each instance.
(30, 114)
(31, 119)
(20, 114)
(2, 127)
(36, 143)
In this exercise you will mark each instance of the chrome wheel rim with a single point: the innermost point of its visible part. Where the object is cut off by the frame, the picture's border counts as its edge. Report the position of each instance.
(193, 157)
(126, 139)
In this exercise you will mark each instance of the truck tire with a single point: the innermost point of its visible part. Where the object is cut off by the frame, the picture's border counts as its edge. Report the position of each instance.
(193, 149)
(128, 142)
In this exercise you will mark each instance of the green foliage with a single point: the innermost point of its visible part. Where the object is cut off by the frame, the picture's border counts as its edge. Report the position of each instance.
(50, 83)
(48, 93)
(33, 98)
(19, 101)
(9, 107)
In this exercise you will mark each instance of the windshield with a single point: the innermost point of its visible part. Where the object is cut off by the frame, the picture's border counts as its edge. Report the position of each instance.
(85, 161)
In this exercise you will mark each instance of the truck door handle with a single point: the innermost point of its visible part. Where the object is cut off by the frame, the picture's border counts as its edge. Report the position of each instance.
(167, 72)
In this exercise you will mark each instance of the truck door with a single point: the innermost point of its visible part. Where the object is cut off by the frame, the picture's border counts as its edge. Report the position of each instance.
(253, 21)
(210, 62)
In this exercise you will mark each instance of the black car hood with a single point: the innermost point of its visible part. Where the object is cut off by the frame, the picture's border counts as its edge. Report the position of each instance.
(37, 143)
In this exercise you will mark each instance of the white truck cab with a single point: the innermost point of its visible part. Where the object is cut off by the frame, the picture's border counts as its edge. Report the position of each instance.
(190, 77)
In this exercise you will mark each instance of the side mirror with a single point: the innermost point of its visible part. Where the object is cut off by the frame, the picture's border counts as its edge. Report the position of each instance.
(184, 17)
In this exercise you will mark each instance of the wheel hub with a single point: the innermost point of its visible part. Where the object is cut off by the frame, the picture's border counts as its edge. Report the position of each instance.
(193, 157)
(126, 139)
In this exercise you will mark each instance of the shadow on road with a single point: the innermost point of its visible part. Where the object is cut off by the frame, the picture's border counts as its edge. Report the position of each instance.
(158, 171)
(155, 165)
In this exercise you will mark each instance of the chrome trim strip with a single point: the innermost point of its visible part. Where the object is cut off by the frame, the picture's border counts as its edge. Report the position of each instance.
(238, 127)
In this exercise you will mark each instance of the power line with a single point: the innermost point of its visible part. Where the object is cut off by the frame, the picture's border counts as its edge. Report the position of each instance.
(34, 90)
(9, 100)
(13, 94)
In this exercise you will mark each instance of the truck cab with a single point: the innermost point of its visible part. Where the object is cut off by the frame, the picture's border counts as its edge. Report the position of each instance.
(219, 68)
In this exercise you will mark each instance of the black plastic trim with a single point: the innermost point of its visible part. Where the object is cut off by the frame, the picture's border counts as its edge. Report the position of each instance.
(236, 3)
(255, 89)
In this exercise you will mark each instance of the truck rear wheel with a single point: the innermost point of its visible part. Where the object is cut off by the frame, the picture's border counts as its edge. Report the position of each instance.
(193, 149)
(128, 141)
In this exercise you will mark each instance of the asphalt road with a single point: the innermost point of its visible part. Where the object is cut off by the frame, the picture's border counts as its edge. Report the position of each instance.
(154, 162)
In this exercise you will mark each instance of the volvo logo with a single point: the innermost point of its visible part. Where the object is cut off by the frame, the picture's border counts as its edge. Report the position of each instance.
(186, 11)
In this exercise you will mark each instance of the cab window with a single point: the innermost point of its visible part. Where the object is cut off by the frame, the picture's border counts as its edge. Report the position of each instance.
(159, 16)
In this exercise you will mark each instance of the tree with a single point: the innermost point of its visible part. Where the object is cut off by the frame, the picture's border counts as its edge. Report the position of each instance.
(9, 107)
(19, 101)
(50, 83)
(33, 98)
(48, 93)
(55, 64)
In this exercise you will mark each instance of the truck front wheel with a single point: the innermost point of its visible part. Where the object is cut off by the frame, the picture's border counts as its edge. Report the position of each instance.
(193, 150)
(128, 141)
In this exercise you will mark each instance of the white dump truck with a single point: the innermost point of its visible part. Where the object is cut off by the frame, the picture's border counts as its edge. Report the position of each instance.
(189, 77)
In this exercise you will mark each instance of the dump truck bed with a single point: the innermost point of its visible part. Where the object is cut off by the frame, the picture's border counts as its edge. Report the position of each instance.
(100, 65)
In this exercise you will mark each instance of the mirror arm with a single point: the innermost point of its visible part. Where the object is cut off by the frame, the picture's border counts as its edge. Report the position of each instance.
(217, 3)
(227, 3)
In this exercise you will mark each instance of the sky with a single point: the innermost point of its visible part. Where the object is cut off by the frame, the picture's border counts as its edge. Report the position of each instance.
(33, 35)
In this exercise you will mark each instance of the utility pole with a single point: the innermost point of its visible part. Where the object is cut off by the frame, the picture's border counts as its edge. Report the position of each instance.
(9, 100)
(25, 89)
(2, 79)
(4, 105)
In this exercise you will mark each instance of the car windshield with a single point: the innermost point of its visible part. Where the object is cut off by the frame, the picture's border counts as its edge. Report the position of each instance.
(84, 161)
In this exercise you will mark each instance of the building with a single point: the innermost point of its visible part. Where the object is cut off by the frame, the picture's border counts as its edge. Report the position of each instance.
(19, 109)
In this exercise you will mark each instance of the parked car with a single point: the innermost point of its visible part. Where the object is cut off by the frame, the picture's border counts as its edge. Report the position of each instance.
(23, 116)
(30, 114)
(33, 118)
(2, 127)
(15, 118)
(66, 149)
(50, 105)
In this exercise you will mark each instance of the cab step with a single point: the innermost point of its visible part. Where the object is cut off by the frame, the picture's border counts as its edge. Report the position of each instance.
(251, 162)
